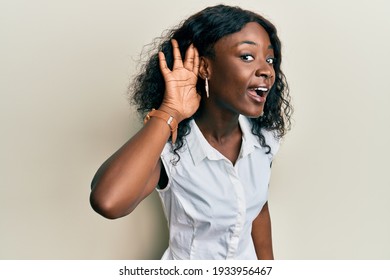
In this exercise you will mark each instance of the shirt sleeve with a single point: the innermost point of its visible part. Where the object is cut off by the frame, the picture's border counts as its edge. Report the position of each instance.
(166, 159)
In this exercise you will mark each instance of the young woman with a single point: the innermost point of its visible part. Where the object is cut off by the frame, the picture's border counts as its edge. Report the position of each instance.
(216, 105)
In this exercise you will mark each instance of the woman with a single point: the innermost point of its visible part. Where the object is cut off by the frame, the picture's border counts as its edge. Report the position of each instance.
(222, 105)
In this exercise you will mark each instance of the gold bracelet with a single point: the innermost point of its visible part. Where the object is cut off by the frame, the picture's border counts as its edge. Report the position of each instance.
(170, 120)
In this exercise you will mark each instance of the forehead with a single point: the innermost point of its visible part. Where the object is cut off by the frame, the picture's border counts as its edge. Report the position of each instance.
(252, 32)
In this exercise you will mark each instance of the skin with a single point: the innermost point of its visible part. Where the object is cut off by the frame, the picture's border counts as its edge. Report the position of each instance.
(132, 173)
(243, 61)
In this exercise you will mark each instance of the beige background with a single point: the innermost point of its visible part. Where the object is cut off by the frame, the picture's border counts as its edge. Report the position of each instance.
(64, 70)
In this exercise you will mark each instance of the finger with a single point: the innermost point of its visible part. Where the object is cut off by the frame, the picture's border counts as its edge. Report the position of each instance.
(163, 64)
(196, 62)
(189, 58)
(177, 60)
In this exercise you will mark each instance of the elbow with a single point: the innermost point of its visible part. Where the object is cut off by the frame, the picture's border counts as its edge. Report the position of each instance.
(106, 207)
(102, 207)
(113, 200)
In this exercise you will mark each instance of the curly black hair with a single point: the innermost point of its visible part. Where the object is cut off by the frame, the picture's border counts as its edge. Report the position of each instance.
(204, 29)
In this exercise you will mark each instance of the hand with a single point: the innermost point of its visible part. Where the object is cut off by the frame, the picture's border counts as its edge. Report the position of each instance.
(180, 99)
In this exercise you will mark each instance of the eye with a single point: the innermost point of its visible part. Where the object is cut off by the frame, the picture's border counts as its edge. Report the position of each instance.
(247, 57)
(271, 60)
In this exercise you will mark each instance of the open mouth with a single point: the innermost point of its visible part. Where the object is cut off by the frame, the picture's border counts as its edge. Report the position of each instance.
(258, 94)
(261, 91)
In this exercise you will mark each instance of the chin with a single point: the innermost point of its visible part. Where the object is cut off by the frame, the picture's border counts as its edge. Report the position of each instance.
(254, 114)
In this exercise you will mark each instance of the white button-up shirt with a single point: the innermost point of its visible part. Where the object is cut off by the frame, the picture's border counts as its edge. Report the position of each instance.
(210, 203)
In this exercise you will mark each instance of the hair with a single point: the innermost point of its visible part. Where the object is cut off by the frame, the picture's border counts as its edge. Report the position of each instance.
(204, 29)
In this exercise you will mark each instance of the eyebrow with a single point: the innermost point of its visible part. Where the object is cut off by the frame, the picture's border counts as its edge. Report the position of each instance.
(270, 47)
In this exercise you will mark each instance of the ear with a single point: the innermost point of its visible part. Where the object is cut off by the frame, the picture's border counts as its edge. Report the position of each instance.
(204, 67)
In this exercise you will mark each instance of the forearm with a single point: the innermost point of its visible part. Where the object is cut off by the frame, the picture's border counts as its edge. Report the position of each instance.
(131, 173)
(262, 235)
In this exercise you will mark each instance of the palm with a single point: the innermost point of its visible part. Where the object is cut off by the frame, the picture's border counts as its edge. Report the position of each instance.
(180, 82)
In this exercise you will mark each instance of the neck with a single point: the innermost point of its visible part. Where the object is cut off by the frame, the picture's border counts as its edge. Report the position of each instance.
(217, 126)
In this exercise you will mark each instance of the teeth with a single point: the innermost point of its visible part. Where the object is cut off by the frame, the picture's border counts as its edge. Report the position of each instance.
(261, 90)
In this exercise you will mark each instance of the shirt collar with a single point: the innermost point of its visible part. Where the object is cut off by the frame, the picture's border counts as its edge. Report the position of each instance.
(249, 140)
(200, 149)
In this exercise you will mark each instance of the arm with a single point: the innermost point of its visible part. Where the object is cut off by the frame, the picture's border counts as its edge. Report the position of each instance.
(261, 234)
(132, 173)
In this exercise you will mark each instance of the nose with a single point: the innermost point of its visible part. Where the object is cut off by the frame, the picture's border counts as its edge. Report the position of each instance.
(265, 70)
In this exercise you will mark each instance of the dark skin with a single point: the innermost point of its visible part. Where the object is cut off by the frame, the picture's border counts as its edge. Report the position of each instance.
(133, 172)
(242, 62)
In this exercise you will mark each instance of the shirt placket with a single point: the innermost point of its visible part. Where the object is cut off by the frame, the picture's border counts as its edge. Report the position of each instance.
(241, 211)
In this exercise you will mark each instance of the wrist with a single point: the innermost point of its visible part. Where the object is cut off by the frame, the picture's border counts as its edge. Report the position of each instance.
(167, 118)
(172, 112)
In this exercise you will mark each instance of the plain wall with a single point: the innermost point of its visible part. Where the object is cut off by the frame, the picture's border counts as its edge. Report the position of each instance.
(64, 71)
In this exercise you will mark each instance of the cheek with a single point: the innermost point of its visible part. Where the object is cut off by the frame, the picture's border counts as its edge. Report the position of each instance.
(273, 76)
(228, 76)
(273, 80)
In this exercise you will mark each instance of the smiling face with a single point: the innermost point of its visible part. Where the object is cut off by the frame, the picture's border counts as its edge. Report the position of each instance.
(241, 73)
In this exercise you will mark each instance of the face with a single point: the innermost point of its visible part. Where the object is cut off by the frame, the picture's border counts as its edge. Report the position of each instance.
(241, 74)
